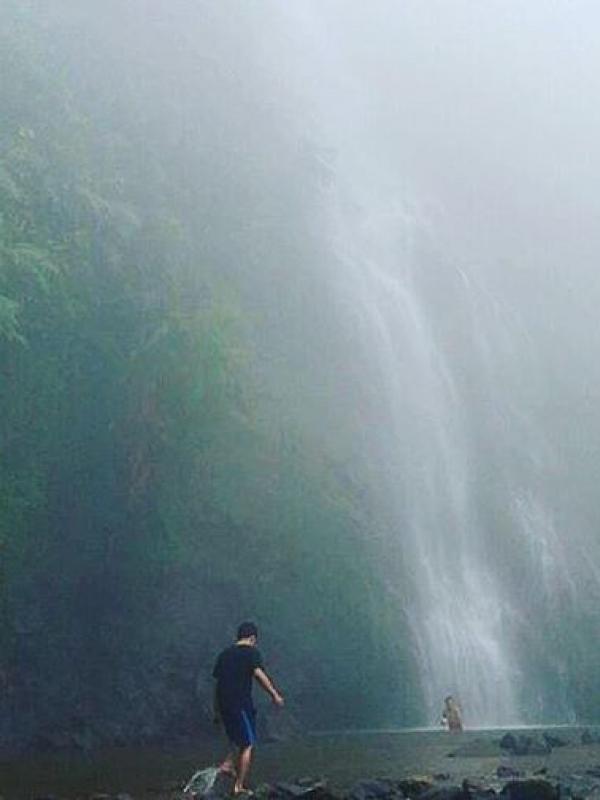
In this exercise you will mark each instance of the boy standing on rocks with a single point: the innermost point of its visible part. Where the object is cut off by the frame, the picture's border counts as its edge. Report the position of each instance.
(234, 670)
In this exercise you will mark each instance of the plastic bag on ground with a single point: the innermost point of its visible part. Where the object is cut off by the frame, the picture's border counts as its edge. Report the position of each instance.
(202, 782)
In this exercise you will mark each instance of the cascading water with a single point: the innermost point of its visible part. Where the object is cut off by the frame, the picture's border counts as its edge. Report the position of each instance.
(461, 344)
(458, 612)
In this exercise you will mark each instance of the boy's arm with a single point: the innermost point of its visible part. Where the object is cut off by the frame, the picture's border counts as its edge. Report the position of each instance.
(265, 683)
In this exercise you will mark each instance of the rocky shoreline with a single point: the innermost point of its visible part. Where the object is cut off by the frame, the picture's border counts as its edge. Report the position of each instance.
(433, 788)
(513, 765)
(510, 781)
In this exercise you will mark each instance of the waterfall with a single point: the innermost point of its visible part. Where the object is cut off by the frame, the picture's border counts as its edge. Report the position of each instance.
(469, 338)
(459, 612)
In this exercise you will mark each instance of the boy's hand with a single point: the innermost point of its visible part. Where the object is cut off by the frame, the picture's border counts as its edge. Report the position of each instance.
(278, 699)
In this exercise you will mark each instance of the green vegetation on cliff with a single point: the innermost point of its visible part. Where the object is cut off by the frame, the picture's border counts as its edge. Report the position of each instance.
(157, 483)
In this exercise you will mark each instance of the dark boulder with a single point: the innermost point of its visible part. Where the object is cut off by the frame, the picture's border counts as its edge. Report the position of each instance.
(504, 771)
(554, 741)
(480, 793)
(307, 789)
(476, 792)
(374, 789)
(531, 789)
(525, 745)
(593, 771)
(508, 741)
(590, 737)
(415, 787)
(445, 793)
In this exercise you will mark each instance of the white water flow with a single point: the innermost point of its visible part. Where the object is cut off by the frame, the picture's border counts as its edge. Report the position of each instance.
(458, 611)
(469, 331)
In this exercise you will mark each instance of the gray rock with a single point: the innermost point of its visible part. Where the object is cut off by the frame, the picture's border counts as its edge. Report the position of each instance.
(525, 745)
(476, 748)
(415, 787)
(554, 741)
(504, 771)
(375, 789)
(478, 792)
(508, 741)
(308, 790)
(531, 789)
(445, 793)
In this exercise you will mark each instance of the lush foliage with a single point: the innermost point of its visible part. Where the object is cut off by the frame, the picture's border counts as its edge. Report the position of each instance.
(160, 476)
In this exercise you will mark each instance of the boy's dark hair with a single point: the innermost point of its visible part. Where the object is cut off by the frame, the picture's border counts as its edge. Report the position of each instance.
(247, 629)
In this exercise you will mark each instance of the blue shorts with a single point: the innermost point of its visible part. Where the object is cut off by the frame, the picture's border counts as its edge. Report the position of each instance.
(240, 726)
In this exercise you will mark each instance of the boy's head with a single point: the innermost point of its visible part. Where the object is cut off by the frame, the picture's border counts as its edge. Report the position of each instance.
(247, 630)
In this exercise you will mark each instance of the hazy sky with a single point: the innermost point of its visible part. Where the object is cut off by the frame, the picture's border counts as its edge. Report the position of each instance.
(488, 110)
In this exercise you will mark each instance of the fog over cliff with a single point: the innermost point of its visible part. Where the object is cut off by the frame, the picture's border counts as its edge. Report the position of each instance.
(298, 319)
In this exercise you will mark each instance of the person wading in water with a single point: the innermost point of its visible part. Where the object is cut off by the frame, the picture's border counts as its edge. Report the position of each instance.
(451, 716)
(234, 670)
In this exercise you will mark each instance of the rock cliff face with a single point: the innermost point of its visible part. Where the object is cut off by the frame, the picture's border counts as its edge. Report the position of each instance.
(260, 359)
(163, 474)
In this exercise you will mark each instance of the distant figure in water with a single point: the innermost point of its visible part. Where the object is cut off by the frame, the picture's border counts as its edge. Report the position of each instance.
(451, 716)
(234, 670)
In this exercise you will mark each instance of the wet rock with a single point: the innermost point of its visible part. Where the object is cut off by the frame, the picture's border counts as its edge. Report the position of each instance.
(554, 741)
(477, 792)
(305, 789)
(508, 741)
(524, 745)
(593, 771)
(504, 772)
(483, 794)
(415, 786)
(566, 792)
(444, 793)
(590, 737)
(531, 789)
(376, 789)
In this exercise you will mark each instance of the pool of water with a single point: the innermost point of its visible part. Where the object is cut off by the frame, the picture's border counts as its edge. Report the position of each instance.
(342, 757)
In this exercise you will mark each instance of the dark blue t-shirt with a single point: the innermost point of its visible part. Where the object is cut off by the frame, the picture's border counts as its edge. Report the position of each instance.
(234, 670)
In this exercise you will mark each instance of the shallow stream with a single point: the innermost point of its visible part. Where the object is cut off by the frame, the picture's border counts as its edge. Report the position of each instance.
(342, 758)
